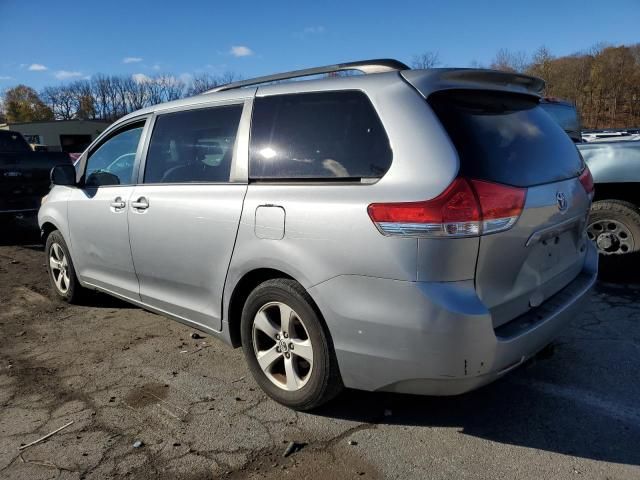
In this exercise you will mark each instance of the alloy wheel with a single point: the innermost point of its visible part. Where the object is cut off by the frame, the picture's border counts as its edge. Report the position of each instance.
(282, 346)
(59, 266)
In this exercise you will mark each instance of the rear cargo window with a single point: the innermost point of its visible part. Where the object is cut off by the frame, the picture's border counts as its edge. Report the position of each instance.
(13, 142)
(323, 136)
(506, 138)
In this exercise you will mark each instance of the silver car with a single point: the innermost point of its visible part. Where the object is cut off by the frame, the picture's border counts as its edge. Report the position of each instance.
(417, 231)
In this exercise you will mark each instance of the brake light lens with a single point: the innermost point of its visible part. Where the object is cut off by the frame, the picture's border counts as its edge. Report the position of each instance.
(586, 179)
(501, 205)
(466, 208)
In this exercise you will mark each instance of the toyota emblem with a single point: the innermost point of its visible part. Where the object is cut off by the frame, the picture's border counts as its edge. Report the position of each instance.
(561, 199)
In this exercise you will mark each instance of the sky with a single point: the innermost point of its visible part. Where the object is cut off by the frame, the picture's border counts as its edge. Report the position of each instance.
(51, 42)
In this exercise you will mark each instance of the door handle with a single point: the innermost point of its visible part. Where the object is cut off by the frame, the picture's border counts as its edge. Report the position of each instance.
(141, 204)
(118, 203)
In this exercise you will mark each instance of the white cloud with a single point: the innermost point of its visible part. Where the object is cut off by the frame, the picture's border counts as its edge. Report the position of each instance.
(314, 30)
(307, 31)
(156, 66)
(140, 78)
(66, 74)
(131, 60)
(240, 51)
(37, 67)
(5, 77)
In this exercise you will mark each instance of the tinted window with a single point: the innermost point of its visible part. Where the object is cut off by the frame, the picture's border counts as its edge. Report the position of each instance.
(112, 163)
(566, 116)
(193, 146)
(13, 142)
(317, 136)
(506, 138)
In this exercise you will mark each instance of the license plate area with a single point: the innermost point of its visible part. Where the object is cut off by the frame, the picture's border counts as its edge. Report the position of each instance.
(556, 249)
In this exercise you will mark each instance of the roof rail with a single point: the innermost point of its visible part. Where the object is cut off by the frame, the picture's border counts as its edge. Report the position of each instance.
(364, 66)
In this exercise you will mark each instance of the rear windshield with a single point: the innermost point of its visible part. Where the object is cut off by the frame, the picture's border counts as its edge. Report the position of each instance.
(506, 138)
(13, 142)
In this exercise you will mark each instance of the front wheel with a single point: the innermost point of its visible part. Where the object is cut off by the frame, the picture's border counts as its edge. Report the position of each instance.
(62, 274)
(287, 347)
(614, 226)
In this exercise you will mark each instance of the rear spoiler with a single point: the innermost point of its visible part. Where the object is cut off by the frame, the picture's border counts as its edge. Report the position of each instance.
(429, 81)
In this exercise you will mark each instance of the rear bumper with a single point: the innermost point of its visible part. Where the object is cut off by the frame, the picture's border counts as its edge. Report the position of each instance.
(435, 338)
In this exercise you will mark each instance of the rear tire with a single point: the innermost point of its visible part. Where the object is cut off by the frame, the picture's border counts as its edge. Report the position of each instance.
(297, 367)
(62, 274)
(614, 227)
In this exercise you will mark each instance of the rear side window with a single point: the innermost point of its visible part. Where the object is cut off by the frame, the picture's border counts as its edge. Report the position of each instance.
(12, 142)
(506, 138)
(323, 136)
(193, 146)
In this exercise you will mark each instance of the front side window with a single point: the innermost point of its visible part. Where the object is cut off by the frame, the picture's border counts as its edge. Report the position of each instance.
(112, 163)
(324, 136)
(193, 146)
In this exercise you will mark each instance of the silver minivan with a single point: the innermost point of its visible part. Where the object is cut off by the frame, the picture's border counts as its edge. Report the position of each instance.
(418, 231)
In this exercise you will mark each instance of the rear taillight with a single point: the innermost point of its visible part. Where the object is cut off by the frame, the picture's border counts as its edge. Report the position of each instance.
(586, 179)
(501, 205)
(466, 208)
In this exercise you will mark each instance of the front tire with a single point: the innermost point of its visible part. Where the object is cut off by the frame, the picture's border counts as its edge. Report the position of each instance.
(614, 226)
(287, 347)
(62, 274)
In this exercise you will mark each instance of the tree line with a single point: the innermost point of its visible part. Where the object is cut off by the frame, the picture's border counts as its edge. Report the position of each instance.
(102, 97)
(602, 82)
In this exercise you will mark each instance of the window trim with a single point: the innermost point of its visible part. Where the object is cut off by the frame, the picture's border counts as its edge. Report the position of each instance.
(236, 175)
(350, 181)
(108, 135)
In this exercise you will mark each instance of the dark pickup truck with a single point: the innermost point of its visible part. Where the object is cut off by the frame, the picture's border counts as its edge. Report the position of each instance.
(24, 175)
(614, 222)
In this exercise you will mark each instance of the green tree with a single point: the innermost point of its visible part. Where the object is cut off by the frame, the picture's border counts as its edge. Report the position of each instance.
(22, 104)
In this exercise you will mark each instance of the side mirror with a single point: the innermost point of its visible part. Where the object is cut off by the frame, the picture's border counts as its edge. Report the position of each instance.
(101, 179)
(63, 175)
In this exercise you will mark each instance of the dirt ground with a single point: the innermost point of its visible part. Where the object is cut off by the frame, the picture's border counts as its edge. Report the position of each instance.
(124, 375)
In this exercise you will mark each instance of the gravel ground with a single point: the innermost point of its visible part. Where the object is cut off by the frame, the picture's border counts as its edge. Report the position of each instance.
(122, 375)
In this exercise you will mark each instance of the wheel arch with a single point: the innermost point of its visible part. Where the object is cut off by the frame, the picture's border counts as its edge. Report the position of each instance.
(241, 289)
(627, 191)
(46, 229)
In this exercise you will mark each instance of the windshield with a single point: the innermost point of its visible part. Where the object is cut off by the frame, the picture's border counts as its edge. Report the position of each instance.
(12, 142)
(506, 138)
(565, 115)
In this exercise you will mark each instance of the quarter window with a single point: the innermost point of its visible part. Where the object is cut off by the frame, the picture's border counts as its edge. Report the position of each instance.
(193, 146)
(324, 136)
(112, 163)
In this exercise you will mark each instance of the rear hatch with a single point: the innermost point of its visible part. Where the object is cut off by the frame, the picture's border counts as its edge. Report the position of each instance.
(506, 138)
(24, 178)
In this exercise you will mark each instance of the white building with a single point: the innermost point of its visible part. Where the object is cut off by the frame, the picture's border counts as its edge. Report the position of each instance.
(71, 136)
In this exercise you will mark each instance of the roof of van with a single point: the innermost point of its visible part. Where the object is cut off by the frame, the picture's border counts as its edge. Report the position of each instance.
(425, 81)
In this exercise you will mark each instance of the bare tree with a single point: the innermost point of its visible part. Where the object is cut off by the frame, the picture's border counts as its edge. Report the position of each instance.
(165, 88)
(428, 59)
(509, 61)
(61, 100)
(205, 81)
